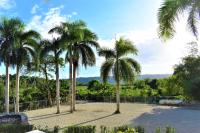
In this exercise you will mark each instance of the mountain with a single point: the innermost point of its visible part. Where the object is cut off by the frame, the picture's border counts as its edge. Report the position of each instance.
(111, 80)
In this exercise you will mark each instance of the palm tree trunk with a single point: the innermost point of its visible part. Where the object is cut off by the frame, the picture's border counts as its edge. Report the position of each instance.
(17, 89)
(74, 87)
(71, 86)
(117, 98)
(117, 88)
(7, 89)
(48, 89)
(57, 89)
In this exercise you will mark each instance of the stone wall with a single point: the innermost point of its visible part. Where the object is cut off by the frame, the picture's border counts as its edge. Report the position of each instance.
(14, 119)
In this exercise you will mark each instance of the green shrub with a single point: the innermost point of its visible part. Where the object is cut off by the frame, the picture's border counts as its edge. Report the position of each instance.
(129, 130)
(158, 130)
(80, 129)
(170, 130)
(18, 128)
(139, 129)
(120, 128)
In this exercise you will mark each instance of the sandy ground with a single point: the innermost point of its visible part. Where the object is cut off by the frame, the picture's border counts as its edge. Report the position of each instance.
(150, 116)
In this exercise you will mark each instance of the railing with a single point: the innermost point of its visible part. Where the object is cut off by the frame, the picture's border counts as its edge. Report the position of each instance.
(33, 105)
(123, 99)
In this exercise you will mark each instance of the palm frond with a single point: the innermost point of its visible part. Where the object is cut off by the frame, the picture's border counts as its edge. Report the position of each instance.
(134, 64)
(107, 53)
(106, 69)
(124, 47)
(168, 14)
(126, 71)
(30, 34)
(192, 22)
(57, 29)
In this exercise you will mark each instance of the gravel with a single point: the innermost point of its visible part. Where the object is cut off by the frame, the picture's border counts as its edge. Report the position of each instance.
(149, 116)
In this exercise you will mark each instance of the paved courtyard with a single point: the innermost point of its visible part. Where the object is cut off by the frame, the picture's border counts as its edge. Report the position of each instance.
(150, 116)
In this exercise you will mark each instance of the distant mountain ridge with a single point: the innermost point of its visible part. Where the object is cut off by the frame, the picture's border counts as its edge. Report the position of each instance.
(111, 80)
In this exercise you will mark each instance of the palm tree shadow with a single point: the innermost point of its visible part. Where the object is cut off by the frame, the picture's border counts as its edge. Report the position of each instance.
(93, 120)
(182, 119)
(47, 116)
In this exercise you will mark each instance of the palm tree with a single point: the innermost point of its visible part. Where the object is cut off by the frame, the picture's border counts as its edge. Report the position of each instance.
(79, 41)
(122, 68)
(83, 53)
(24, 53)
(169, 13)
(54, 48)
(8, 34)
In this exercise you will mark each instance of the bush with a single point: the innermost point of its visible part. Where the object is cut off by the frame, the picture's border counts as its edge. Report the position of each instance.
(129, 130)
(80, 129)
(170, 130)
(18, 128)
(139, 129)
(122, 129)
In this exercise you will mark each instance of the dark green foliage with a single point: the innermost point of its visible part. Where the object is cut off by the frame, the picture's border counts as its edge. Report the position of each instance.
(94, 85)
(32, 90)
(170, 86)
(80, 129)
(169, 13)
(158, 130)
(125, 128)
(120, 128)
(187, 74)
(140, 129)
(16, 128)
(170, 130)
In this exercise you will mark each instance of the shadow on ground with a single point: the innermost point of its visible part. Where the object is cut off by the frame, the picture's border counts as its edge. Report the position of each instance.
(47, 116)
(182, 119)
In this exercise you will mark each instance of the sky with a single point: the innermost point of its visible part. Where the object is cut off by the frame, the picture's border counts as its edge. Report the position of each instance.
(135, 20)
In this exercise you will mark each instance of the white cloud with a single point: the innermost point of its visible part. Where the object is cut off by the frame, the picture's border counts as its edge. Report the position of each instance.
(7, 4)
(43, 23)
(34, 9)
(154, 55)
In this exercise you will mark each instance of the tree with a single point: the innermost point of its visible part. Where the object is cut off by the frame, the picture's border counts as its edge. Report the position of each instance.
(8, 34)
(169, 13)
(55, 49)
(170, 86)
(122, 68)
(80, 41)
(81, 51)
(187, 73)
(45, 67)
(24, 53)
(94, 85)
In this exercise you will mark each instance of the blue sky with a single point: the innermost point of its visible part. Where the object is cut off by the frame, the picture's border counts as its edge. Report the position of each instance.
(134, 20)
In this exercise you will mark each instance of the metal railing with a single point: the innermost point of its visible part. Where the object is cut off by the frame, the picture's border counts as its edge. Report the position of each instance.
(33, 105)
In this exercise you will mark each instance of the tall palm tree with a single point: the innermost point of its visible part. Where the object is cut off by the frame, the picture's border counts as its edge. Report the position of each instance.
(79, 41)
(169, 12)
(24, 53)
(8, 34)
(55, 49)
(83, 53)
(121, 67)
